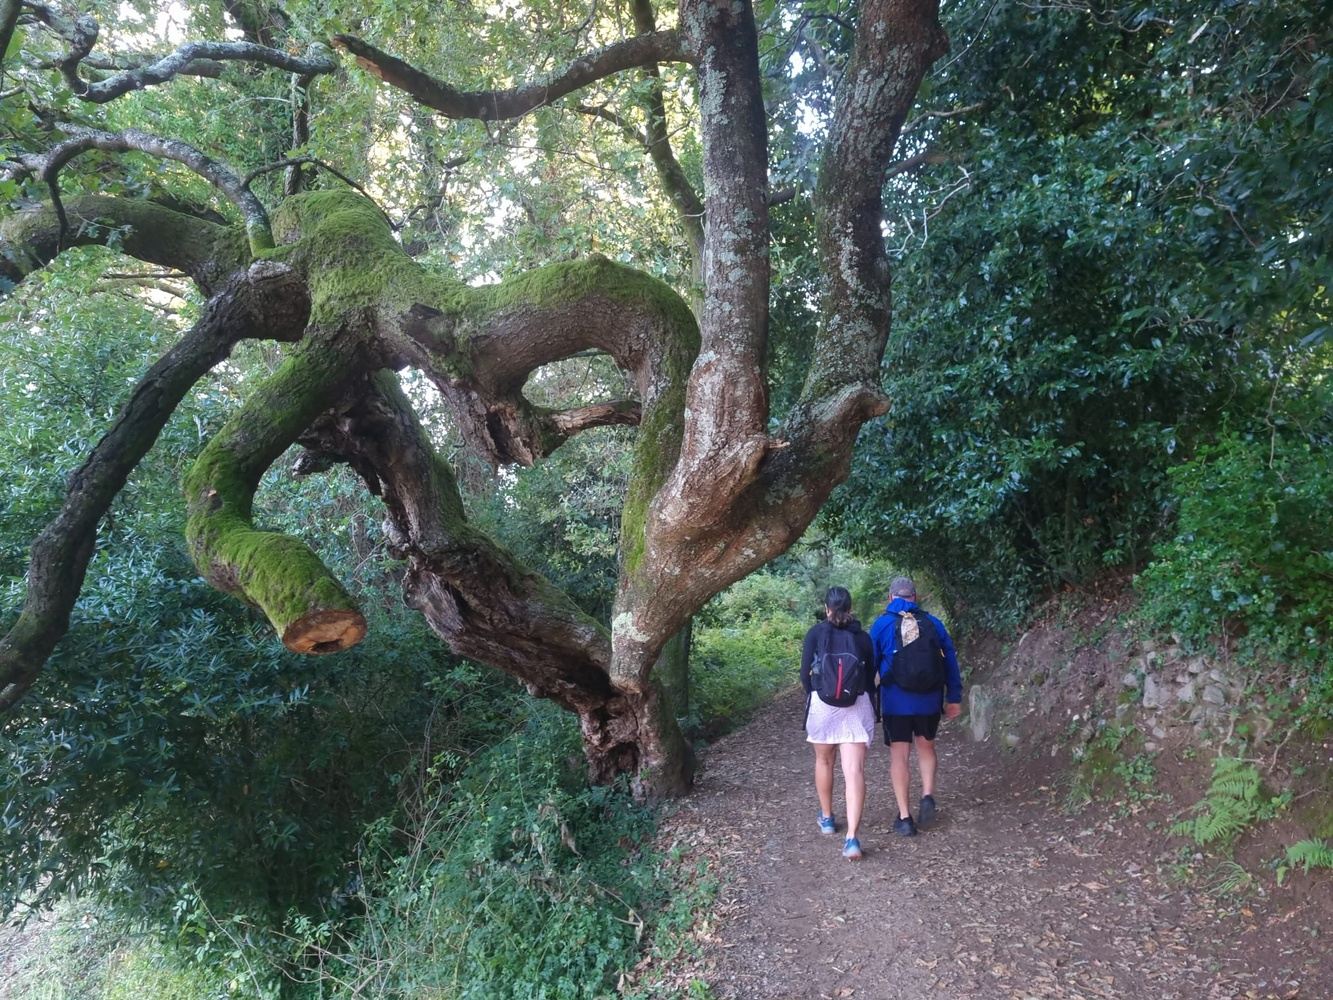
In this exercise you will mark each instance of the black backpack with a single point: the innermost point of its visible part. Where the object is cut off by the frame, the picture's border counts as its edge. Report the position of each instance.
(918, 663)
(837, 674)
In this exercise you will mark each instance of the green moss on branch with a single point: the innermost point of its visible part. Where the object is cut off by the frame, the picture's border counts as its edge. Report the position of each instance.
(353, 262)
(30, 239)
(305, 603)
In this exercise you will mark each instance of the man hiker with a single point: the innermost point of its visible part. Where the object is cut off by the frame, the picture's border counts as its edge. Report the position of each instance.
(919, 681)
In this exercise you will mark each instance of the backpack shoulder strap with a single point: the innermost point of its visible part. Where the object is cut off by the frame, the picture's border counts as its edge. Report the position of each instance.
(821, 638)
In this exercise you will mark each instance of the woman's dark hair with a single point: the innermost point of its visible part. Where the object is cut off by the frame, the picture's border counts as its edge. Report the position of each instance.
(839, 603)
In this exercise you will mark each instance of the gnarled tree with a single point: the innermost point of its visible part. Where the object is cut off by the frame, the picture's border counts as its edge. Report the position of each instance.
(716, 490)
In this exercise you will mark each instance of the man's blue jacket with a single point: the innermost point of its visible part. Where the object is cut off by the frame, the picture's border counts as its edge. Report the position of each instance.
(894, 700)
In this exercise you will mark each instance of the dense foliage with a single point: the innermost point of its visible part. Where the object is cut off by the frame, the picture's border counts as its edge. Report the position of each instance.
(176, 750)
(1120, 249)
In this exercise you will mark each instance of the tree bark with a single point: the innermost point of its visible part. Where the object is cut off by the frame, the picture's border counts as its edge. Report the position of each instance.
(9, 16)
(31, 239)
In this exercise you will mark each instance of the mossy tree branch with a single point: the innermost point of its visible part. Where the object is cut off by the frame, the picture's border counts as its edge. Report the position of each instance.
(32, 238)
(480, 352)
(268, 301)
(279, 574)
(47, 167)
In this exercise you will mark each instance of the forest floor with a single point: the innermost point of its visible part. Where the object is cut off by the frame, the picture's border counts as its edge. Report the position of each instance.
(1008, 895)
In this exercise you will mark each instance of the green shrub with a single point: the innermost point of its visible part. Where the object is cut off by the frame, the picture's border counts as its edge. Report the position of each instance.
(735, 669)
(1253, 550)
(519, 880)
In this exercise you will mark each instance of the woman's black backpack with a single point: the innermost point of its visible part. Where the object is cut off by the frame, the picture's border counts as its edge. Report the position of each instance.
(837, 674)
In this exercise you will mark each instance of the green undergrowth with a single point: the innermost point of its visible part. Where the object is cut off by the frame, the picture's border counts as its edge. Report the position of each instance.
(519, 880)
(1250, 563)
(514, 879)
(747, 646)
(1112, 766)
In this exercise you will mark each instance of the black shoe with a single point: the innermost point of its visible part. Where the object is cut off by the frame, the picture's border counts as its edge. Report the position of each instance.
(925, 815)
(904, 827)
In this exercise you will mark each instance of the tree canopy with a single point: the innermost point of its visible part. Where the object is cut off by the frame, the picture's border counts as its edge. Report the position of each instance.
(718, 483)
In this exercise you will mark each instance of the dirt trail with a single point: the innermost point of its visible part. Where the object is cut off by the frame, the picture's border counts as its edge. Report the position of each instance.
(1006, 897)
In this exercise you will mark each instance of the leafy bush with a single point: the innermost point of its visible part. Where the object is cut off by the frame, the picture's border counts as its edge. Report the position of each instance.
(519, 881)
(747, 646)
(1253, 550)
(1142, 247)
(735, 670)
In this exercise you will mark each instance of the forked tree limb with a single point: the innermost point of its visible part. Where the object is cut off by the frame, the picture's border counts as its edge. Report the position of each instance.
(46, 166)
(481, 351)
(737, 498)
(497, 105)
(472, 591)
(268, 300)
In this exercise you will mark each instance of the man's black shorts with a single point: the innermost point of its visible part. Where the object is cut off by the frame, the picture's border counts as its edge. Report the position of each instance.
(901, 728)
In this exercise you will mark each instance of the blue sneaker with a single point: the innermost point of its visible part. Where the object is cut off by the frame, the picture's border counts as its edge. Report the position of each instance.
(826, 824)
(851, 850)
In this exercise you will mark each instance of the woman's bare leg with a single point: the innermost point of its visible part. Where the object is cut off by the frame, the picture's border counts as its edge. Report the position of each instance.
(824, 755)
(854, 775)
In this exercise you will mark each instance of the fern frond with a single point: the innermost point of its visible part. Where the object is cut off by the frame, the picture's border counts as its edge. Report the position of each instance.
(1235, 799)
(1311, 853)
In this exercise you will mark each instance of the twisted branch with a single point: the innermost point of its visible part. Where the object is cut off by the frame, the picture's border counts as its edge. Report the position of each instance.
(47, 166)
(81, 35)
(497, 105)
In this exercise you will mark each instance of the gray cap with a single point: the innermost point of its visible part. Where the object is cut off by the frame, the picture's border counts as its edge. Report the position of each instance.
(902, 586)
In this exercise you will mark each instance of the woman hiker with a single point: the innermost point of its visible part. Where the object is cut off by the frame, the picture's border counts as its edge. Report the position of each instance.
(838, 674)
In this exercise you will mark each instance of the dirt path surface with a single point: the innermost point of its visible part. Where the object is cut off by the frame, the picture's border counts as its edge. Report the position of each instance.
(1007, 896)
